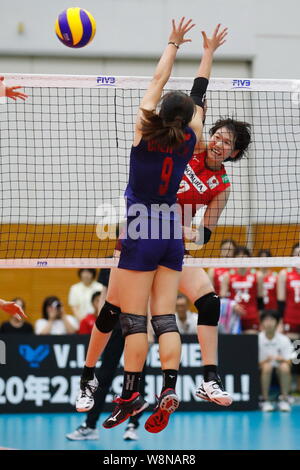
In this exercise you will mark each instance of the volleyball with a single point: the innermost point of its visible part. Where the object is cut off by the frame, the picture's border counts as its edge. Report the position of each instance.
(75, 27)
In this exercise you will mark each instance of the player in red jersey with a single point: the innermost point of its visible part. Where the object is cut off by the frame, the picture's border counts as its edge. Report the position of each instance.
(269, 283)
(288, 292)
(289, 298)
(215, 275)
(245, 286)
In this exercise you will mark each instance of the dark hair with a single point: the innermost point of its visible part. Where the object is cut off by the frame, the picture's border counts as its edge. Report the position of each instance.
(241, 133)
(95, 294)
(228, 240)
(297, 245)
(270, 313)
(242, 249)
(52, 299)
(264, 252)
(92, 271)
(167, 127)
(21, 301)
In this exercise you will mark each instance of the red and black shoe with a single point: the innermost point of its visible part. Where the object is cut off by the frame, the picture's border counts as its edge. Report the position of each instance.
(125, 408)
(167, 403)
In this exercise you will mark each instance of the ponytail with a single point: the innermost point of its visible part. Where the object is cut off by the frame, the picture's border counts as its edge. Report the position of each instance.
(166, 133)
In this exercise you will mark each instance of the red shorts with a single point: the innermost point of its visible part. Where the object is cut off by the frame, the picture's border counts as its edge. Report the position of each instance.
(249, 324)
(291, 327)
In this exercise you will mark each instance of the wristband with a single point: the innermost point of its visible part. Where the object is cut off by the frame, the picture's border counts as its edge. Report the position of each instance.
(174, 44)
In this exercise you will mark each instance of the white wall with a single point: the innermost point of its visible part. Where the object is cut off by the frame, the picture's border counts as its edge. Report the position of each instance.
(262, 31)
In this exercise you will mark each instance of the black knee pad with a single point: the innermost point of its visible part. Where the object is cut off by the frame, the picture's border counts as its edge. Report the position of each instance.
(208, 307)
(107, 318)
(132, 324)
(164, 324)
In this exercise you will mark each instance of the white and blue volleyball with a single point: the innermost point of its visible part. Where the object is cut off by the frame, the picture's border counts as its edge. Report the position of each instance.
(75, 27)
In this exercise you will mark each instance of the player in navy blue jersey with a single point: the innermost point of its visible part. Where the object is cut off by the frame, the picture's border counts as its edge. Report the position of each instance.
(163, 144)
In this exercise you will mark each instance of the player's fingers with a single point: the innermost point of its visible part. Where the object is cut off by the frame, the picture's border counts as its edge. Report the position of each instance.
(186, 24)
(1, 78)
(190, 27)
(181, 22)
(204, 35)
(173, 24)
(216, 29)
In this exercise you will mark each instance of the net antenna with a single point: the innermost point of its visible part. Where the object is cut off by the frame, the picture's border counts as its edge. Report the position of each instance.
(64, 157)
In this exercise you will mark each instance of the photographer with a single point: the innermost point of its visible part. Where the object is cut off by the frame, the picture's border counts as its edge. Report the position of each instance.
(55, 321)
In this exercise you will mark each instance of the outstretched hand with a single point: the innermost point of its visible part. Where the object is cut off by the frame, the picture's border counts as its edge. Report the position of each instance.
(217, 39)
(178, 32)
(11, 93)
(13, 309)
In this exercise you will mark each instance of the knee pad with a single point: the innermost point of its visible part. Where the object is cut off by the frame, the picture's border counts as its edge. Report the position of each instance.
(164, 324)
(132, 324)
(208, 308)
(107, 318)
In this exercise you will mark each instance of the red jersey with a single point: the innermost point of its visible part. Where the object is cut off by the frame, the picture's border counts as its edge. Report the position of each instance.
(243, 289)
(218, 277)
(292, 309)
(270, 291)
(199, 186)
(86, 324)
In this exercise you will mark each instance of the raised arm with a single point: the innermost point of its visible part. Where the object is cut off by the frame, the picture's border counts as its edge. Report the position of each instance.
(201, 81)
(164, 67)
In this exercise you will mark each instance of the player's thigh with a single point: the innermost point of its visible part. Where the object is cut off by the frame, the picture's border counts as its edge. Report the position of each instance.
(112, 291)
(134, 289)
(194, 283)
(164, 291)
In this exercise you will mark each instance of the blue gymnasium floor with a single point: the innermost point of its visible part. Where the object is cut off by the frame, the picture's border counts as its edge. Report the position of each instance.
(223, 430)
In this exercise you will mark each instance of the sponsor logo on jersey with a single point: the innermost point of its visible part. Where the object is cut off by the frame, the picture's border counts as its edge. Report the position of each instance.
(225, 179)
(238, 83)
(183, 187)
(198, 184)
(213, 182)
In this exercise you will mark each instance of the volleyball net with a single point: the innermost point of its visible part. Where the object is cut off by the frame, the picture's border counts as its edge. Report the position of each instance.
(64, 156)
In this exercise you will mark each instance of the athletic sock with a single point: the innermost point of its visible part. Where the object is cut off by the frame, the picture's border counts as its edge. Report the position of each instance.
(87, 374)
(131, 384)
(210, 373)
(170, 379)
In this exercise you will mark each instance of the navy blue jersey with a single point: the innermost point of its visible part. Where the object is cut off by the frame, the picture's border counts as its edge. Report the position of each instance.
(156, 171)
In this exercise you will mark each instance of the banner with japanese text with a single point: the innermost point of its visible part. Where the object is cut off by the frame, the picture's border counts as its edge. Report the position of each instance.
(42, 373)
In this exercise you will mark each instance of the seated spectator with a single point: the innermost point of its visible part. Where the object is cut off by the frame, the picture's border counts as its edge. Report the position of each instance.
(87, 323)
(17, 324)
(55, 321)
(275, 352)
(186, 320)
(81, 293)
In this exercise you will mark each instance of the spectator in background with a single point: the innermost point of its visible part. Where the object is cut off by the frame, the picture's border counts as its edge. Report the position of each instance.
(245, 286)
(227, 248)
(288, 292)
(269, 283)
(186, 320)
(81, 293)
(275, 353)
(87, 323)
(17, 324)
(55, 321)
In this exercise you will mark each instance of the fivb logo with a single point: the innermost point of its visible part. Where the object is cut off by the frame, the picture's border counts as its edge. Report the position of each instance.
(2, 353)
(238, 83)
(106, 81)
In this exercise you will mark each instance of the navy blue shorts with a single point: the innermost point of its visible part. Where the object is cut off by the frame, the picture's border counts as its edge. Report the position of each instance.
(147, 254)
